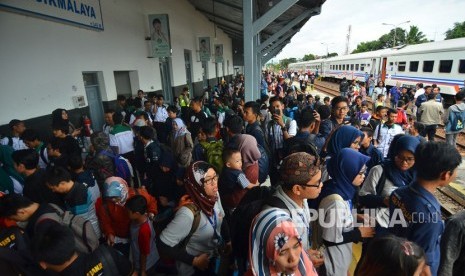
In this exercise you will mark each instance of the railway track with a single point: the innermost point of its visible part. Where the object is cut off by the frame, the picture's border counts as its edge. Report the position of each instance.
(451, 201)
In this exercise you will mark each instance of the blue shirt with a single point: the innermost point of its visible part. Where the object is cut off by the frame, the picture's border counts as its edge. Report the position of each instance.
(395, 94)
(422, 214)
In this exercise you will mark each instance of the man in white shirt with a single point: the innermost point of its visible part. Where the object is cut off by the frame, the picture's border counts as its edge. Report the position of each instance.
(420, 90)
(17, 128)
(384, 133)
(161, 114)
(278, 129)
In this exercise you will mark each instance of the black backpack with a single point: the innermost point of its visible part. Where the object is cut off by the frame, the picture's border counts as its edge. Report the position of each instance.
(248, 208)
(296, 144)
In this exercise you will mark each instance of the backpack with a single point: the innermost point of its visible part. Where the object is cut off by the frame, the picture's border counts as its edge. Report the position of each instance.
(242, 217)
(123, 168)
(295, 144)
(317, 233)
(108, 263)
(156, 152)
(214, 154)
(161, 221)
(84, 234)
(457, 121)
(263, 164)
(264, 161)
(42, 154)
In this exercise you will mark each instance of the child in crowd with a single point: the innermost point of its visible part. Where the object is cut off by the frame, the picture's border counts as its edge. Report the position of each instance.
(415, 129)
(172, 114)
(367, 148)
(363, 116)
(401, 114)
(142, 237)
(56, 153)
(84, 176)
(233, 183)
(327, 101)
(71, 145)
(32, 141)
(77, 198)
(391, 255)
(380, 101)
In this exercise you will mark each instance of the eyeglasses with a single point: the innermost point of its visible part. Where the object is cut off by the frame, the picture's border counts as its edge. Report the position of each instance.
(345, 108)
(211, 181)
(312, 185)
(408, 160)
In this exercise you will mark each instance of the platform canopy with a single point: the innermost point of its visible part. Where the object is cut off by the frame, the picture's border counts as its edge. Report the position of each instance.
(259, 29)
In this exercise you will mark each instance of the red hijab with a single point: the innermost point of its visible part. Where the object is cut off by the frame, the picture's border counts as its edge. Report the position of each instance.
(194, 183)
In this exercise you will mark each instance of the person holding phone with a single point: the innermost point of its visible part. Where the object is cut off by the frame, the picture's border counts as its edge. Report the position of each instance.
(280, 128)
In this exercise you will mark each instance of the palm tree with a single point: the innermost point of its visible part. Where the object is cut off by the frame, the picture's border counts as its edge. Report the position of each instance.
(415, 36)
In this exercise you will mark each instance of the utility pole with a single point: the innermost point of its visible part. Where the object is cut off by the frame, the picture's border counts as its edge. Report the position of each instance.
(348, 40)
(395, 30)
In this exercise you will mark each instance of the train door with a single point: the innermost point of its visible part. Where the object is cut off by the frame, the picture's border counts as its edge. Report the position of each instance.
(383, 69)
(373, 67)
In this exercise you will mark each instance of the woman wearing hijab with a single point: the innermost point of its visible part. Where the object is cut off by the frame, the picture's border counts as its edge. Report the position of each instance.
(343, 137)
(181, 143)
(60, 117)
(195, 248)
(383, 179)
(10, 180)
(113, 217)
(347, 171)
(276, 246)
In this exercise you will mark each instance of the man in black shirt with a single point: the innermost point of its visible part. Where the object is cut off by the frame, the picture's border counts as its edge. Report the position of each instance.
(34, 178)
(196, 117)
(54, 249)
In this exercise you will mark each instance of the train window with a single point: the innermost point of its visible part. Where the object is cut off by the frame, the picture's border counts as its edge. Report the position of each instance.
(351, 67)
(445, 66)
(356, 67)
(391, 63)
(347, 67)
(401, 66)
(428, 65)
(362, 67)
(413, 66)
(462, 66)
(343, 67)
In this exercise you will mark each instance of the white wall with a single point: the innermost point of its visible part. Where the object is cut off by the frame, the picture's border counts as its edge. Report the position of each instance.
(41, 60)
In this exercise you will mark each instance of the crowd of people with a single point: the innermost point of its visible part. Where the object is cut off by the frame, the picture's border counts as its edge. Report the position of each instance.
(214, 185)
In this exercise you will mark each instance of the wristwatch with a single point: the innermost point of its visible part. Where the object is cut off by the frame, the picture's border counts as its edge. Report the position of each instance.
(283, 128)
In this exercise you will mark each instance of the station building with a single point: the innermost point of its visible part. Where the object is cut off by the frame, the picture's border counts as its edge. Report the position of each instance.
(81, 54)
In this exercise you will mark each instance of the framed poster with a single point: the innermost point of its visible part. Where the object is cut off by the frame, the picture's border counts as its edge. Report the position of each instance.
(204, 48)
(160, 35)
(219, 53)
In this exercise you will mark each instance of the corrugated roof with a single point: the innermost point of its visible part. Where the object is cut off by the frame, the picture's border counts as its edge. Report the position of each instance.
(227, 15)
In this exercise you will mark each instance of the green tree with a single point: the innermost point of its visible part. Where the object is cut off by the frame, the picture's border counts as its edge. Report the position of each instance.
(457, 31)
(332, 55)
(415, 36)
(308, 57)
(367, 46)
(387, 40)
(285, 62)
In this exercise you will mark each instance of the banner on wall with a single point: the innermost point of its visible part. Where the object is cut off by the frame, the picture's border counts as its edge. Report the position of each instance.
(204, 48)
(219, 53)
(160, 35)
(85, 13)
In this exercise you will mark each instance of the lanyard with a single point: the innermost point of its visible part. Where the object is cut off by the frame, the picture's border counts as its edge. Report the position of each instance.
(214, 223)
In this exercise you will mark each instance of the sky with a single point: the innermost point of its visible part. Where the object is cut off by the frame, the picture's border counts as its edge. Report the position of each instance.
(432, 17)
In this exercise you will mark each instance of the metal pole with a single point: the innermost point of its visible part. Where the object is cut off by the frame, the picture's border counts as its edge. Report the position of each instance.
(249, 55)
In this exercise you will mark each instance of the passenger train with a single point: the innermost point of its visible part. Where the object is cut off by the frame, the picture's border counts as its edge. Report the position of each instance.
(441, 62)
